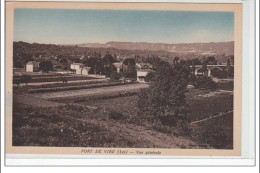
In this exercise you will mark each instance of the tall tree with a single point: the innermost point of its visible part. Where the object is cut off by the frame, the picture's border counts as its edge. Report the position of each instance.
(129, 70)
(165, 98)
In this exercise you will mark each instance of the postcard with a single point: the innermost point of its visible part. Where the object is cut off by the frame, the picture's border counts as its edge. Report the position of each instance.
(128, 79)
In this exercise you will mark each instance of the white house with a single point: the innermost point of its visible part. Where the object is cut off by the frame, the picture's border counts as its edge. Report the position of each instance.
(85, 70)
(77, 67)
(141, 74)
(80, 68)
(32, 66)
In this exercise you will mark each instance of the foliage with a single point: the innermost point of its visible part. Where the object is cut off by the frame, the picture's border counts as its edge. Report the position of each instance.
(114, 76)
(204, 82)
(129, 70)
(46, 66)
(64, 80)
(25, 78)
(108, 59)
(149, 77)
(165, 98)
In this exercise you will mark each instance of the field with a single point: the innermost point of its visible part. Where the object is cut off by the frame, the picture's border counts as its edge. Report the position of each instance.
(216, 132)
(55, 78)
(105, 114)
(214, 103)
(77, 126)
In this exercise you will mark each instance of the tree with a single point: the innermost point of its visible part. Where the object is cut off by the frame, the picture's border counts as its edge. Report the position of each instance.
(114, 76)
(17, 82)
(228, 67)
(25, 79)
(149, 77)
(108, 59)
(204, 82)
(165, 99)
(46, 66)
(77, 60)
(129, 70)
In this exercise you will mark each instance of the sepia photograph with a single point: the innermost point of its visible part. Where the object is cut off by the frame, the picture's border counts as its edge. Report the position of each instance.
(124, 78)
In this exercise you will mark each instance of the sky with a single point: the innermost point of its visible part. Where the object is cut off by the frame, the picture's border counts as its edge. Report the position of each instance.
(62, 26)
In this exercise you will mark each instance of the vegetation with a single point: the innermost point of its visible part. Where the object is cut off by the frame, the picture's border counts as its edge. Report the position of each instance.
(216, 132)
(129, 70)
(204, 82)
(69, 88)
(46, 66)
(165, 100)
(25, 79)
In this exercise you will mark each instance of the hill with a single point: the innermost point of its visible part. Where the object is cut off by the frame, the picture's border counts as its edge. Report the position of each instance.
(212, 48)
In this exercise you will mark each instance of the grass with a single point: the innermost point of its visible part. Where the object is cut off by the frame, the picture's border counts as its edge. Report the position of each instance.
(76, 126)
(97, 120)
(204, 104)
(216, 132)
(226, 85)
(201, 105)
(48, 127)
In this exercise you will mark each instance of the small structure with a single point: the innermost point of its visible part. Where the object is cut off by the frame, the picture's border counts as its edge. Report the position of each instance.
(80, 68)
(141, 75)
(32, 66)
(118, 65)
(85, 70)
(77, 67)
(140, 66)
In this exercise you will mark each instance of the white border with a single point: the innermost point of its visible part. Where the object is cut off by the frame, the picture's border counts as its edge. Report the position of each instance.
(248, 117)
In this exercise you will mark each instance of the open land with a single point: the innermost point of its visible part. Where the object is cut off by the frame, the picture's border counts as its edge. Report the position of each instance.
(107, 116)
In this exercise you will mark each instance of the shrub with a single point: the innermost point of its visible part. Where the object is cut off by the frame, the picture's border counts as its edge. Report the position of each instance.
(204, 82)
(25, 78)
(114, 76)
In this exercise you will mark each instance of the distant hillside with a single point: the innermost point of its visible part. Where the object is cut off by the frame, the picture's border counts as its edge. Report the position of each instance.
(219, 48)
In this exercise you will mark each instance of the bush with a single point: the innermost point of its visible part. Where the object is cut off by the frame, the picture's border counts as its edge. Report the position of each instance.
(114, 76)
(204, 82)
(25, 78)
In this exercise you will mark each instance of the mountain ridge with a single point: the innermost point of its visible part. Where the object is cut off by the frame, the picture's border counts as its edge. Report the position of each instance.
(201, 48)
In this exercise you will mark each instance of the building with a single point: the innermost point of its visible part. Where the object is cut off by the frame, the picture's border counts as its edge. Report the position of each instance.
(32, 66)
(85, 70)
(141, 75)
(140, 66)
(118, 65)
(80, 68)
(77, 67)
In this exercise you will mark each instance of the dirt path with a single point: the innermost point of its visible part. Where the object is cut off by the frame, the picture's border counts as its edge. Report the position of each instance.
(92, 91)
(206, 119)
